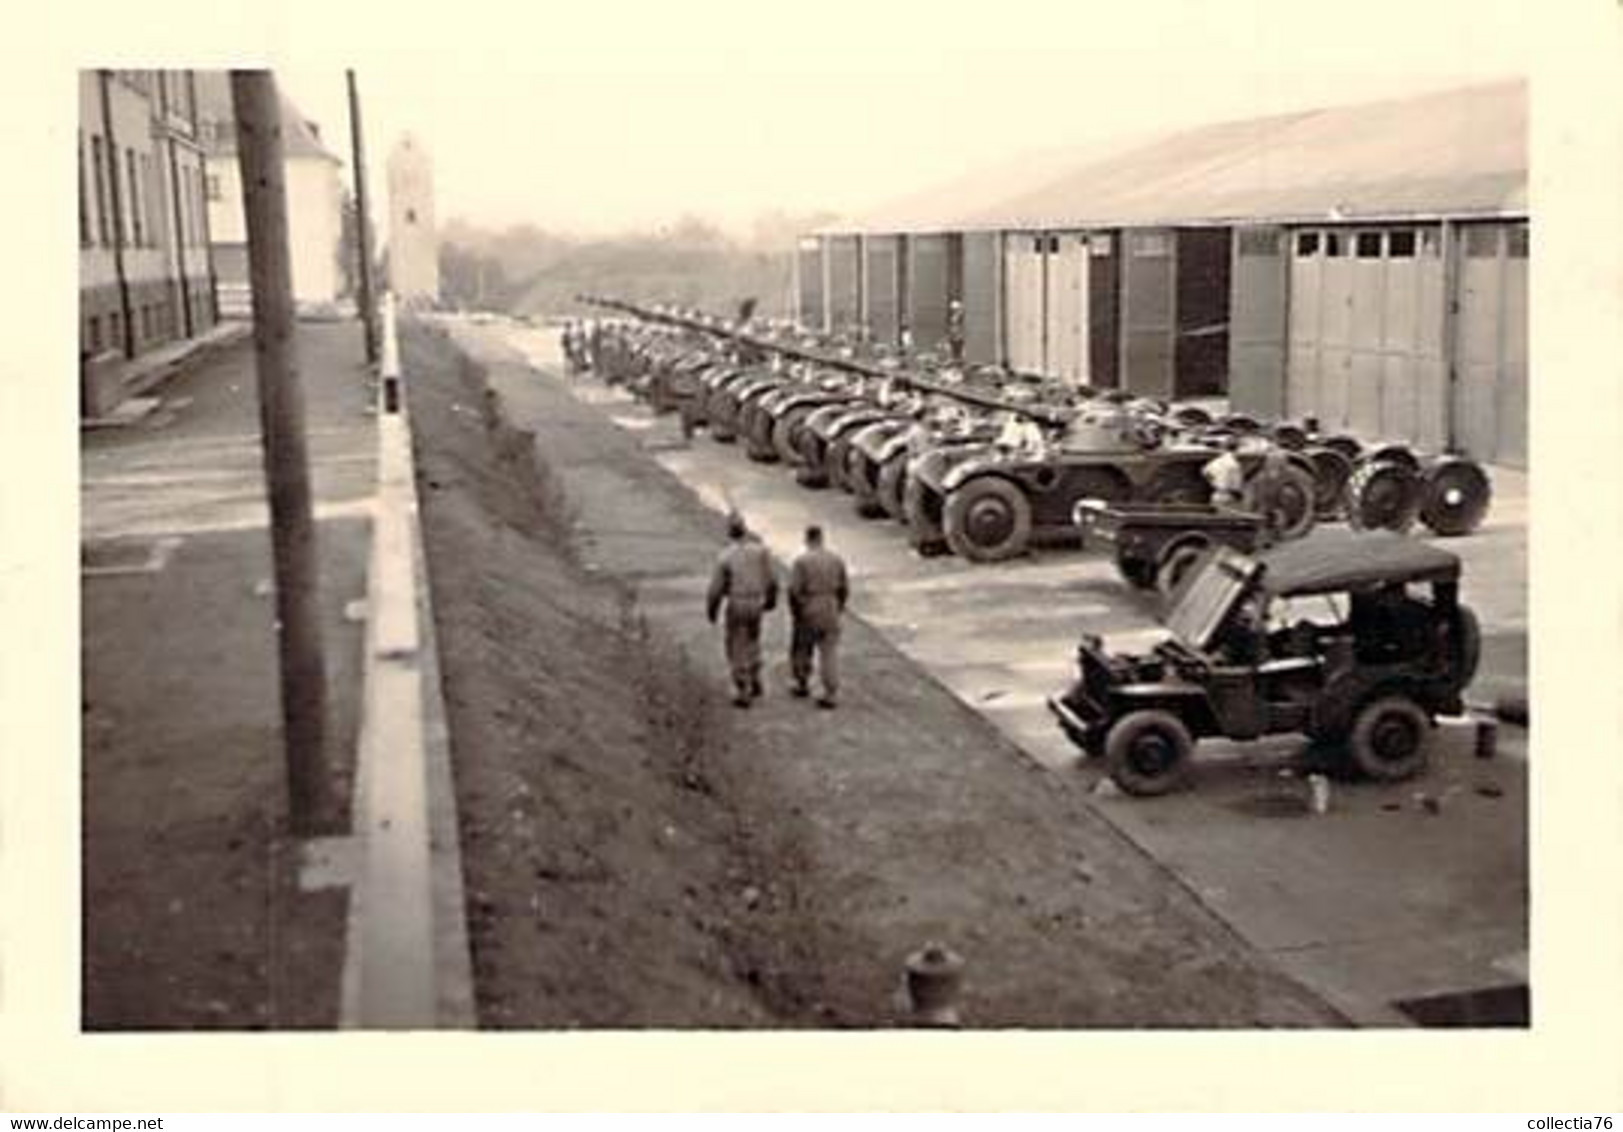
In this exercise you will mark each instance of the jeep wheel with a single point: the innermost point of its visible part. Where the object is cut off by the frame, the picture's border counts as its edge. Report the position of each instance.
(1147, 752)
(988, 519)
(1464, 647)
(1388, 740)
(1454, 496)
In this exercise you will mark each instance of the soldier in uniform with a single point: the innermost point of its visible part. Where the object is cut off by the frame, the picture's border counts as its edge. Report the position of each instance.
(745, 581)
(818, 589)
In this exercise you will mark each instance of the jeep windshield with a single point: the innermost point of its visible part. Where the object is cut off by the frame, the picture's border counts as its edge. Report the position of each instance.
(1209, 598)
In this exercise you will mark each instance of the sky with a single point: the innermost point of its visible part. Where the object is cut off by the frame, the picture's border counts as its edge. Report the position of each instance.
(612, 116)
(595, 118)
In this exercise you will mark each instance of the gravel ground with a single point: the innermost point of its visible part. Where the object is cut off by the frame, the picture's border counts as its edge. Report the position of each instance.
(640, 854)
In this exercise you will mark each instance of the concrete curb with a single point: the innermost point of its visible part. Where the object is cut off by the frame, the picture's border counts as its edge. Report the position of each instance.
(407, 964)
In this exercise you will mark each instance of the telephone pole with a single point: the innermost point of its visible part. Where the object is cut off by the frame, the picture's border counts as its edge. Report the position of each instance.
(363, 222)
(287, 472)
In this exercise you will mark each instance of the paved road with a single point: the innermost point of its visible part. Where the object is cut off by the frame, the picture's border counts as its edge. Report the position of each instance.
(1379, 901)
(188, 918)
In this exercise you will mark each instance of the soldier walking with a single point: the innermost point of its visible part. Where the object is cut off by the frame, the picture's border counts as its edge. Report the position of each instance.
(745, 581)
(818, 589)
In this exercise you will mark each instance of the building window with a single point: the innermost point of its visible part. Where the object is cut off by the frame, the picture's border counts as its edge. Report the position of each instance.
(1261, 242)
(84, 197)
(1333, 242)
(1400, 243)
(133, 182)
(1516, 242)
(212, 186)
(1151, 244)
(98, 171)
(1431, 243)
(1369, 245)
(1482, 241)
(1101, 244)
(1307, 244)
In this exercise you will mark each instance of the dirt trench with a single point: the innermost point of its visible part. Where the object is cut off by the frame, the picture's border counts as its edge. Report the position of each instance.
(639, 854)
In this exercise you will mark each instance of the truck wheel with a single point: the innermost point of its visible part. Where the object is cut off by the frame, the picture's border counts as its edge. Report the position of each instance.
(988, 519)
(1454, 496)
(923, 531)
(1147, 752)
(1388, 740)
(1178, 566)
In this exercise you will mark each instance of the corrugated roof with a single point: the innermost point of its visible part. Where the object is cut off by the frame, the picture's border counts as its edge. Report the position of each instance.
(300, 136)
(1459, 152)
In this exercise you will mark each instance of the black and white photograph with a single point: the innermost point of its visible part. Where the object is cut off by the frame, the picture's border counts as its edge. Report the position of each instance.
(868, 519)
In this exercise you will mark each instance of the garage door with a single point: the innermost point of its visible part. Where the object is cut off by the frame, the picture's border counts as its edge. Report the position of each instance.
(982, 274)
(1148, 318)
(844, 291)
(1257, 323)
(1067, 307)
(1365, 349)
(927, 275)
(809, 282)
(881, 287)
(1490, 397)
(1023, 301)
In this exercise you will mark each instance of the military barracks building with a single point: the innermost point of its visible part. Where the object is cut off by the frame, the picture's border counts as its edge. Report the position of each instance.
(1364, 265)
(145, 276)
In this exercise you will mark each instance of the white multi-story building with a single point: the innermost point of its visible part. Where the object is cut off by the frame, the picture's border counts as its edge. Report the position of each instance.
(314, 205)
(414, 263)
(144, 264)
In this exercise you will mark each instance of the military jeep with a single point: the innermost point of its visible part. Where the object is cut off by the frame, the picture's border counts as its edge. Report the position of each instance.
(1357, 640)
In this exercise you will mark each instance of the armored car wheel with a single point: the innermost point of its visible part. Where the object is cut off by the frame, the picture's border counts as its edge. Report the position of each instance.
(1393, 454)
(1178, 484)
(1348, 446)
(1241, 423)
(892, 480)
(1292, 437)
(1286, 502)
(1192, 416)
(924, 532)
(1382, 496)
(987, 519)
(1388, 740)
(1147, 752)
(1331, 470)
(1454, 496)
(783, 435)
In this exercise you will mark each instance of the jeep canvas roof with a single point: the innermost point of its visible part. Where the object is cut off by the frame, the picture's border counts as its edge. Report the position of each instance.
(1329, 561)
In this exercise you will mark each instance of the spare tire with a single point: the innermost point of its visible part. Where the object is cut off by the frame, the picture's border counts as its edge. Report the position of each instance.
(1454, 496)
(1383, 497)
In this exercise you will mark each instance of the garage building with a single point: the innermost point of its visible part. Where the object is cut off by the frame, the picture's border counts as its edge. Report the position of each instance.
(1363, 265)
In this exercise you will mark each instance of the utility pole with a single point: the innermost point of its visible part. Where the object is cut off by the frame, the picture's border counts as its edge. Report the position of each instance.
(287, 472)
(363, 221)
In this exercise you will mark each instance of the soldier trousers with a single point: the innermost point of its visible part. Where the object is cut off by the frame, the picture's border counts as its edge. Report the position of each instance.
(743, 642)
(807, 640)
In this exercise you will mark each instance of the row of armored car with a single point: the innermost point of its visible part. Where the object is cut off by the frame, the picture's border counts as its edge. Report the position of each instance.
(986, 463)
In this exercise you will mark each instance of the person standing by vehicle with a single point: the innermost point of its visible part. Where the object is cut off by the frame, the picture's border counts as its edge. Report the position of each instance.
(818, 588)
(1226, 474)
(745, 581)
